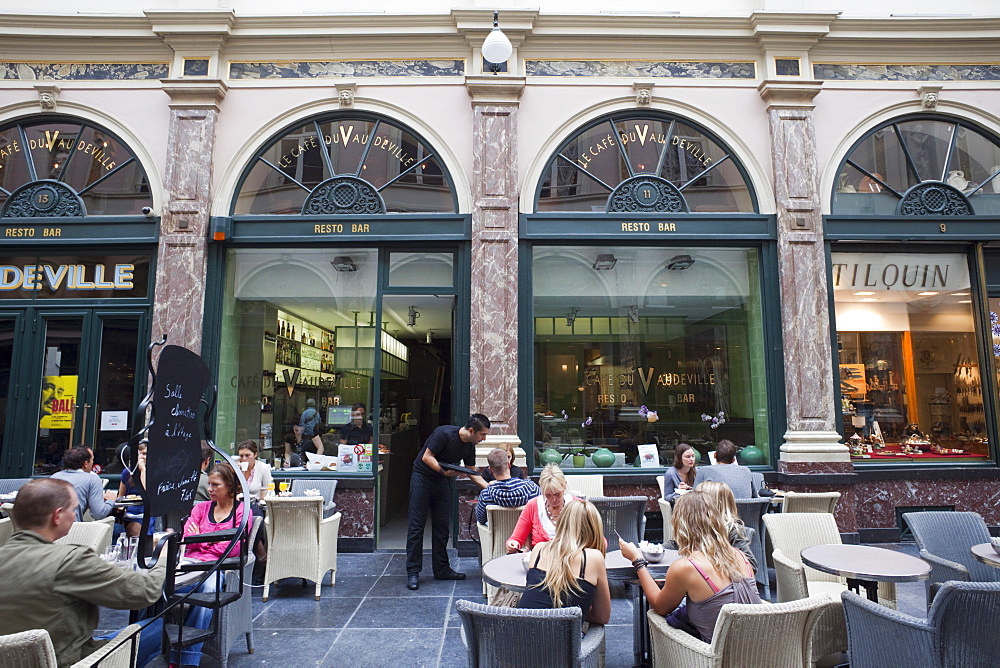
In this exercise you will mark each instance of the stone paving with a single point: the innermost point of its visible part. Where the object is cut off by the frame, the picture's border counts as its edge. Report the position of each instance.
(370, 618)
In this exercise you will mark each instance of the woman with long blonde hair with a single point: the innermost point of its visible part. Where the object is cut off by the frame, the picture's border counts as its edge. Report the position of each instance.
(725, 503)
(710, 573)
(569, 570)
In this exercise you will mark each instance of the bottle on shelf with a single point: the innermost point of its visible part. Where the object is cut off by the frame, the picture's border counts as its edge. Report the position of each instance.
(293, 332)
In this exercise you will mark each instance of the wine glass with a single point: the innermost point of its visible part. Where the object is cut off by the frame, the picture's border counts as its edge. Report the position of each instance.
(270, 489)
(283, 486)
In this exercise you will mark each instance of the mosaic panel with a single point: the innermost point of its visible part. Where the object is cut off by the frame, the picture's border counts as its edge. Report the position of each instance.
(843, 72)
(84, 71)
(351, 68)
(673, 69)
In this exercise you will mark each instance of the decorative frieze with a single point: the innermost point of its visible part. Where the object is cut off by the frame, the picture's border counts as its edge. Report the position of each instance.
(670, 69)
(873, 72)
(346, 68)
(31, 71)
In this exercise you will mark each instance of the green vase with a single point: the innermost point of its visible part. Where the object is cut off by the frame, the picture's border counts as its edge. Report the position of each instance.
(697, 456)
(603, 458)
(550, 456)
(580, 461)
(751, 455)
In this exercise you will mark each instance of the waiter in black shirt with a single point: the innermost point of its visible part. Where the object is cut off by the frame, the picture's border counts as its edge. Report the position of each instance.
(430, 491)
(357, 430)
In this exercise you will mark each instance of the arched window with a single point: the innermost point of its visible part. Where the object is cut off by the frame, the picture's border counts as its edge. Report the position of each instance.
(644, 162)
(353, 163)
(920, 166)
(66, 167)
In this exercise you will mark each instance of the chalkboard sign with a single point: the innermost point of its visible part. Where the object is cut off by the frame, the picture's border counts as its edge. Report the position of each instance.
(173, 455)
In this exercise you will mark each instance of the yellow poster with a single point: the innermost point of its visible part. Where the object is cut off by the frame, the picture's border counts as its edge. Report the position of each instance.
(58, 401)
(852, 381)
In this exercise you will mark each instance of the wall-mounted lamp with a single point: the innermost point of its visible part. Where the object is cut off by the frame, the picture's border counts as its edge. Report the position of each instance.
(680, 262)
(496, 47)
(571, 318)
(430, 336)
(344, 263)
(413, 315)
(633, 313)
(605, 261)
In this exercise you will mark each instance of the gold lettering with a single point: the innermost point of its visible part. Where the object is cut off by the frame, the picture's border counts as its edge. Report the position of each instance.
(328, 229)
(667, 227)
(52, 232)
(360, 227)
(19, 232)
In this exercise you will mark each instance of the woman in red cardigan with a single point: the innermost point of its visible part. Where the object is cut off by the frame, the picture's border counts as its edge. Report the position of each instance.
(538, 519)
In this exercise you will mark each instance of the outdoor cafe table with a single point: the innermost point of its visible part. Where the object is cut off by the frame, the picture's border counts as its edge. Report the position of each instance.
(509, 572)
(985, 553)
(866, 566)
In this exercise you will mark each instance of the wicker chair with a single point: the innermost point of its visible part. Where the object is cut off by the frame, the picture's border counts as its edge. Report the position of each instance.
(300, 542)
(589, 486)
(752, 512)
(761, 634)
(6, 530)
(235, 619)
(8, 485)
(944, 539)
(960, 629)
(493, 535)
(28, 649)
(666, 511)
(818, 502)
(624, 514)
(327, 489)
(514, 637)
(119, 652)
(95, 535)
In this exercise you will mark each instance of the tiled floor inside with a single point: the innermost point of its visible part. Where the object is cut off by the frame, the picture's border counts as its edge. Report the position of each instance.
(370, 618)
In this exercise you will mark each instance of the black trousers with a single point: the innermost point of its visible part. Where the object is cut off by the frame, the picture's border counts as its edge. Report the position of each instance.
(428, 494)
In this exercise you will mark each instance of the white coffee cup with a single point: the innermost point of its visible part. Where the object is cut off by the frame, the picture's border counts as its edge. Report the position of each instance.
(244, 466)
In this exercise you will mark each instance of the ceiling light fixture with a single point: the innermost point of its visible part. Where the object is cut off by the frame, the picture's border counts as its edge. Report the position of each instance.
(605, 261)
(411, 320)
(344, 263)
(571, 318)
(680, 262)
(633, 313)
(926, 294)
(863, 294)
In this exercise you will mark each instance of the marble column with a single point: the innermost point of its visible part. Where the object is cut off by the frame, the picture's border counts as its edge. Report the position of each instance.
(493, 315)
(811, 442)
(179, 306)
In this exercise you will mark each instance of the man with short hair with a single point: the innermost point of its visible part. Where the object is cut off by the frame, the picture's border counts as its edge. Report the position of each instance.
(357, 431)
(201, 494)
(726, 470)
(503, 490)
(79, 463)
(59, 588)
(431, 490)
(309, 419)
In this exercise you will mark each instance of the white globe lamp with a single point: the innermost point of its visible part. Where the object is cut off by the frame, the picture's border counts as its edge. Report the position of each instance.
(496, 47)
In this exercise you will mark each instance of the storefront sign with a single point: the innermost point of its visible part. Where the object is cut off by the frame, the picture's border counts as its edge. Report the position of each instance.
(58, 402)
(899, 271)
(54, 142)
(641, 133)
(346, 135)
(75, 277)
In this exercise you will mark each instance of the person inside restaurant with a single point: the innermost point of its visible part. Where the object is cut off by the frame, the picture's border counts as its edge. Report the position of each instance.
(357, 431)
(59, 588)
(569, 570)
(710, 572)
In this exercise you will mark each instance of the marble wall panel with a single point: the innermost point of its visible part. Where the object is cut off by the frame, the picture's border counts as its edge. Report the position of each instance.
(673, 69)
(84, 71)
(817, 467)
(347, 68)
(877, 501)
(866, 72)
(358, 509)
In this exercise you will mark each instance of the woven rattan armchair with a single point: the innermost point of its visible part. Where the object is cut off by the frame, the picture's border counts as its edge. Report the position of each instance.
(493, 535)
(760, 634)
(590, 485)
(119, 652)
(812, 502)
(327, 489)
(301, 544)
(945, 539)
(28, 649)
(512, 637)
(6, 530)
(8, 485)
(960, 629)
(235, 619)
(95, 535)
(624, 514)
(666, 510)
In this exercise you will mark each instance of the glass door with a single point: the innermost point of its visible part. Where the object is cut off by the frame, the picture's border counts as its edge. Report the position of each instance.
(9, 335)
(62, 400)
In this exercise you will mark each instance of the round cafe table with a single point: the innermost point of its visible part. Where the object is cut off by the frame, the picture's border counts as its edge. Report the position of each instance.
(866, 566)
(985, 553)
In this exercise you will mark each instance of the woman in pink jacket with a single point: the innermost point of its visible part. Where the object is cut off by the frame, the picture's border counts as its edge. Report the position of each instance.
(539, 517)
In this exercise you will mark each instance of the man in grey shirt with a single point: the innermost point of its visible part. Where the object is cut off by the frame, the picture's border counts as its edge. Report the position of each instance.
(79, 463)
(726, 470)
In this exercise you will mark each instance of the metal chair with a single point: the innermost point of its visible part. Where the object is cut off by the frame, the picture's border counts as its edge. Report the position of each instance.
(960, 629)
(760, 634)
(327, 489)
(945, 539)
(666, 511)
(514, 637)
(28, 649)
(235, 619)
(119, 652)
(624, 514)
(301, 544)
(812, 502)
(589, 486)
(751, 512)
(493, 535)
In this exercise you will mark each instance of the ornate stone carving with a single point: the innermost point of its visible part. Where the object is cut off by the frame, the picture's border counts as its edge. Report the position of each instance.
(48, 95)
(933, 199)
(643, 92)
(346, 91)
(929, 96)
(44, 199)
(646, 194)
(343, 194)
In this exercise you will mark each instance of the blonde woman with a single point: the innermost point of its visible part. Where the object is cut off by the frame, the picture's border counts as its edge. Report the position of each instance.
(725, 504)
(710, 573)
(540, 515)
(569, 570)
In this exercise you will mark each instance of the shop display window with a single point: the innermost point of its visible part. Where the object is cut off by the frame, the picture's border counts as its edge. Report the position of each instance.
(911, 378)
(638, 349)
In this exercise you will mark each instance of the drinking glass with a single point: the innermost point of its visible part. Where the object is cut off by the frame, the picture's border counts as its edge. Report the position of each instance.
(270, 489)
(283, 486)
(112, 553)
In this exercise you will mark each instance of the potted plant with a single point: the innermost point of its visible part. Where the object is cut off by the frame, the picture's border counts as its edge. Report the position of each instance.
(579, 458)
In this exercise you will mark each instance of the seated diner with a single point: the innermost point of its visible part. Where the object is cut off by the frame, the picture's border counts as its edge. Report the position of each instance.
(539, 517)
